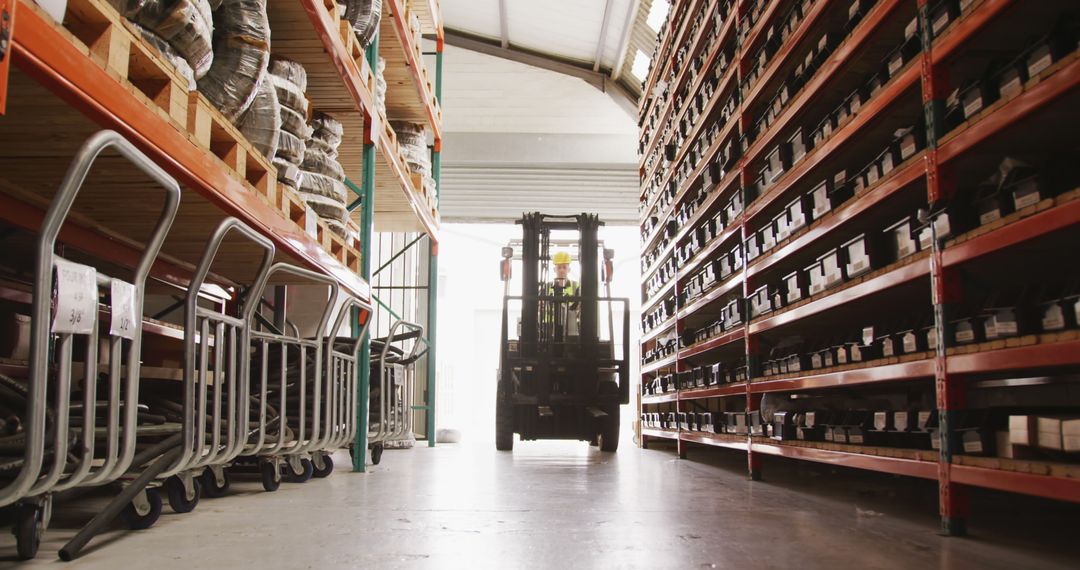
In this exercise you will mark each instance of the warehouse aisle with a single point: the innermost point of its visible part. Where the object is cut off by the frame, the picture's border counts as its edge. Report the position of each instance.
(564, 505)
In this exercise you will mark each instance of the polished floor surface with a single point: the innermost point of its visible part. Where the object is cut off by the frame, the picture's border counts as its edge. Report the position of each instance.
(565, 505)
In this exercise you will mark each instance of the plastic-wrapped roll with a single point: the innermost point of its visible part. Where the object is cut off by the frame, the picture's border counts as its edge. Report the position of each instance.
(314, 183)
(261, 123)
(337, 227)
(327, 129)
(169, 55)
(293, 122)
(327, 208)
(317, 162)
(187, 25)
(288, 173)
(323, 147)
(364, 16)
(290, 71)
(289, 95)
(241, 54)
(380, 85)
(290, 147)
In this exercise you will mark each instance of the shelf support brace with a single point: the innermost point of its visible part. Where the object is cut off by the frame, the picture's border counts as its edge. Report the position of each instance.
(367, 219)
(433, 269)
(7, 25)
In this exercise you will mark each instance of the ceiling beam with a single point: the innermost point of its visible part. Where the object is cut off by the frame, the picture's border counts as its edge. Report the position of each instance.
(598, 79)
(504, 24)
(603, 36)
(624, 44)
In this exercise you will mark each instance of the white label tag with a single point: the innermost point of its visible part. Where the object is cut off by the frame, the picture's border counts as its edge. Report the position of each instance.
(991, 216)
(1026, 200)
(1054, 319)
(124, 322)
(76, 298)
(973, 446)
(1005, 327)
(852, 438)
(965, 335)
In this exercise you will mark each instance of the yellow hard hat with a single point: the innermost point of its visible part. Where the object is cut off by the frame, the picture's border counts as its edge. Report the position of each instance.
(560, 258)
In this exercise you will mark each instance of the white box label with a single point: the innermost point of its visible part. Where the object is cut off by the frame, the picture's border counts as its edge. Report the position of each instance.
(124, 322)
(76, 298)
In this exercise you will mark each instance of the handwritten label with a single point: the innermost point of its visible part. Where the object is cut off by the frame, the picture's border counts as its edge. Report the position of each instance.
(76, 298)
(124, 321)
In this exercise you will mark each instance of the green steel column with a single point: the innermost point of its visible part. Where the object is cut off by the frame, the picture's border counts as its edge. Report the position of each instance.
(433, 268)
(367, 187)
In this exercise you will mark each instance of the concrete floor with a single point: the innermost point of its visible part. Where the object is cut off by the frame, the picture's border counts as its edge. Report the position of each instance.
(565, 505)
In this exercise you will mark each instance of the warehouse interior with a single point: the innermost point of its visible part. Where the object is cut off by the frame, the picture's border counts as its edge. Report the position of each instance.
(499, 283)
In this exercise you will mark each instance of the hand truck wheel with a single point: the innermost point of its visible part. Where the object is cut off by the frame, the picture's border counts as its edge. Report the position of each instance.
(210, 486)
(306, 471)
(178, 499)
(326, 469)
(136, 521)
(271, 479)
(29, 526)
(376, 453)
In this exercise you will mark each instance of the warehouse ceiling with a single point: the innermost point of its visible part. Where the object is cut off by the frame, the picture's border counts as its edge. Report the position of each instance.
(534, 116)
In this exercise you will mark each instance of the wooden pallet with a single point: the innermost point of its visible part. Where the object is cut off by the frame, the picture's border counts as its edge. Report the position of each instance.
(352, 46)
(108, 39)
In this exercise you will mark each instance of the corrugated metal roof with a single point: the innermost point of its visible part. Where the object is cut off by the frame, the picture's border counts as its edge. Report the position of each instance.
(501, 194)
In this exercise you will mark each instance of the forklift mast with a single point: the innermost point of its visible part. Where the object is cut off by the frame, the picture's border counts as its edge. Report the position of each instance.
(536, 261)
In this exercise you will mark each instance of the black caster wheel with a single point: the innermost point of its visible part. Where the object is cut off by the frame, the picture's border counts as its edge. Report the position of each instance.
(28, 530)
(306, 471)
(271, 479)
(135, 521)
(326, 470)
(178, 499)
(376, 453)
(210, 487)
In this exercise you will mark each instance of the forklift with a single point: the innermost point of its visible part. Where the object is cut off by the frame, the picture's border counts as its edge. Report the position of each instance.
(560, 376)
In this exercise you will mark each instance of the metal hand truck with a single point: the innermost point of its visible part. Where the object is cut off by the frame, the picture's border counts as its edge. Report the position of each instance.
(289, 390)
(340, 359)
(66, 321)
(212, 416)
(394, 389)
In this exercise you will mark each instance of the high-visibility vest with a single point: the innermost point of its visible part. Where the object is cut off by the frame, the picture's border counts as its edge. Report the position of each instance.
(572, 289)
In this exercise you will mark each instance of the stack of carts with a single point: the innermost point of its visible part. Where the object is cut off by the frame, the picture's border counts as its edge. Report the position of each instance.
(252, 390)
(393, 385)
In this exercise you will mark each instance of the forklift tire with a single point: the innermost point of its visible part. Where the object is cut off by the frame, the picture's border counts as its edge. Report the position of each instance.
(609, 434)
(504, 424)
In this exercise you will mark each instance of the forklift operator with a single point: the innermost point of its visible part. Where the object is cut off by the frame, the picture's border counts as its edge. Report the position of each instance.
(563, 285)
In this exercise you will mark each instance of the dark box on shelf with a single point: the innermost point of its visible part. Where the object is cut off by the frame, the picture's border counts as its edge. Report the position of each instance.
(900, 242)
(798, 214)
(840, 352)
(783, 425)
(795, 287)
(832, 263)
(782, 226)
(760, 302)
(912, 341)
(942, 14)
(768, 237)
(862, 256)
(815, 277)
(732, 314)
(1025, 192)
(753, 246)
(974, 98)
(967, 331)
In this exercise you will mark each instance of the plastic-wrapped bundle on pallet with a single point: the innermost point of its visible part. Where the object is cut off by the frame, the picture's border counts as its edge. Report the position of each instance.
(187, 25)
(328, 130)
(241, 55)
(364, 15)
(290, 71)
(261, 123)
(291, 147)
(326, 208)
(318, 162)
(338, 227)
(380, 86)
(289, 94)
(412, 137)
(168, 54)
(288, 173)
(294, 122)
